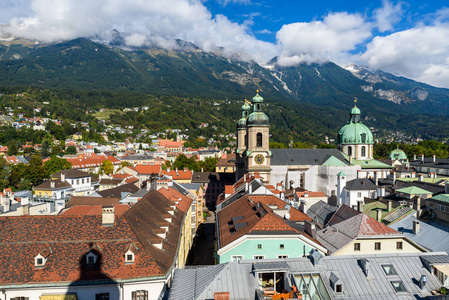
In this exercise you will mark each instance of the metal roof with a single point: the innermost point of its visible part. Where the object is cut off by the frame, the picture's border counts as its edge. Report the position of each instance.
(282, 157)
(273, 265)
(432, 234)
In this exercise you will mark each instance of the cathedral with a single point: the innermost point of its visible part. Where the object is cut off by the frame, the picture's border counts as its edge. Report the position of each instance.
(311, 169)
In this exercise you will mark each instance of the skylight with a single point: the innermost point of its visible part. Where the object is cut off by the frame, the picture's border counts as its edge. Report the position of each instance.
(389, 270)
(398, 286)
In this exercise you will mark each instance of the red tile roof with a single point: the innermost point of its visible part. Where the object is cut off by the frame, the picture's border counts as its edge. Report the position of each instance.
(93, 210)
(84, 200)
(183, 202)
(91, 160)
(178, 175)
(295, 215)
(148, 169)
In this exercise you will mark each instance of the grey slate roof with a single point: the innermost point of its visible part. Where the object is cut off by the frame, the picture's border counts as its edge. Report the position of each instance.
(239, 278)
(238, 194)
(282, 157)
(431, 187)
(321, 213)
(440, 163)
(433, 234)
(129, 188)
(360, 185)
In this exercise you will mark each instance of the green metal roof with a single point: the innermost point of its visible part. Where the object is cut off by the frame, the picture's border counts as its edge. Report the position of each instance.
(257, 118)
(355, 132)
(333, 161)
(370, 164)
(341, 173)
(257, 98)
(241, 124)
(355, 110)
(441, 197)
(413, 190)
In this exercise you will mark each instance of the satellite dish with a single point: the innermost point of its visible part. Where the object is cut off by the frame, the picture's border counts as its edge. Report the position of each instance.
(287, 216)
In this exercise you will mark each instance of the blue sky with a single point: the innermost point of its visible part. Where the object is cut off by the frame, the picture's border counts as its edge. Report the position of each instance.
(408, 38)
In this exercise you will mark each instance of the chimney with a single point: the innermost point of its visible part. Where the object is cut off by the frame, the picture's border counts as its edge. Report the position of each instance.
(389, 205)
(364, 263)
(246, 187)
(414, 156)
(420, 177)
(24, 210)
(446, 187)
(381, 191)
(250, 189)
(418, 203)
(168, 169)
(52, 184)
(422, 282)
(415, 226)
(379, 215)
(376, 178)
(107, 215)
(394, 177)
(221, 296)
(360, 206)
(62, 177)
(422, 157)
(433, 158)
(309, 228)
(303, 206)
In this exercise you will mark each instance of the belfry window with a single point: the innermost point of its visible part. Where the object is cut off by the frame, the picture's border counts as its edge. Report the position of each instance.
(350, 151)
(363, 151)
(259, 140)
(363, 137)
(246, 140)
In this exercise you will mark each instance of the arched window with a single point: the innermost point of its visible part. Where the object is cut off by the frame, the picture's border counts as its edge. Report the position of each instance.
(259, 140)
(350, 151)
(363, 151)
(246, 140)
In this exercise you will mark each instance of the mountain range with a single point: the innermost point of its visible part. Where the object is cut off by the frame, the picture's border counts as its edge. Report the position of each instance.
(386, 100)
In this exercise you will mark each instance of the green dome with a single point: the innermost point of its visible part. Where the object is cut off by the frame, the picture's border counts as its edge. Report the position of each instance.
(398, 154)
(246, 106)
(257, 118)
(355, 110)
(355, 133)
(241, 124)
(257, 98)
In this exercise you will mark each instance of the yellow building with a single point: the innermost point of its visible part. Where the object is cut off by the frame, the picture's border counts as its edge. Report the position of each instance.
(226, 164)
(361, 234)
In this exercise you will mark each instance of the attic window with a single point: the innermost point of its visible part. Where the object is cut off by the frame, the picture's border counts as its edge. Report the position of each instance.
(389, 270)
(339, 288)
(39, 261)
(129, 257)
(91, 258)
(398, 286)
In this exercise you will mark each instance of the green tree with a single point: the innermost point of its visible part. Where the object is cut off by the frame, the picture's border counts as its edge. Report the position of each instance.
(46, 148)
(107, 167)
(12, 148)
(70, 150)
(56, 164)
(35, 172)
(4, 174)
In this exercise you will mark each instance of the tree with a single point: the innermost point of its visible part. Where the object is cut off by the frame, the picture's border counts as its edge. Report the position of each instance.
(35, 172)
(107, 167)
(4, 174)
(70, 150)
(46, 148)
(12, 148)
(56, 164)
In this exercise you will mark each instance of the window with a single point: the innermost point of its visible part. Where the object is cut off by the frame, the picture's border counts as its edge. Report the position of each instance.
(20, 298)
(363, 151)
(359, 194)
(389, 270)
(377, 246)
(311, 286)
(102, 296)
(259, 257)
(236, 258)
(91, 258)
(339, 288)
(398, 286)
(399, 245)
(350, 151)
(259, 140)
(259, 246)
(282, 256)
(39, 261)
(140, 295)
(347, 194)
(356, 246)
(281, 246)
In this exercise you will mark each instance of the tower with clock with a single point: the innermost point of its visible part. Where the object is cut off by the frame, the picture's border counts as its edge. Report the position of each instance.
(256, 154)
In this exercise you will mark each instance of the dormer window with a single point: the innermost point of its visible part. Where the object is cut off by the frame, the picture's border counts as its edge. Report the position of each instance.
(129, 257)
(91, 258)
(39, 261)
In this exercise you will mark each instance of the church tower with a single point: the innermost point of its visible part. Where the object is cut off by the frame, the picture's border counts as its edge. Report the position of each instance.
(241, 141)
(257, 156)
(356, 139)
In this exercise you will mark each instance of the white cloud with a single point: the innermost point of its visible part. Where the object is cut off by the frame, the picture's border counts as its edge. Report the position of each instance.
(226, 2)
(330, 39)
(420, 53)
(388, 15)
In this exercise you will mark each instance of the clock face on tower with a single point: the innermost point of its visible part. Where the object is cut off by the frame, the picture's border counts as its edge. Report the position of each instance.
(259, 159)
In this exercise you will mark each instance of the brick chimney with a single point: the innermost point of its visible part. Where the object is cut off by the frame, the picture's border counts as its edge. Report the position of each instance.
(221, 296)
(107, 215)
(309, 228)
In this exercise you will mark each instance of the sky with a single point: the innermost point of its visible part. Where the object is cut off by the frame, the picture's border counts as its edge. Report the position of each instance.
(406, 38)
